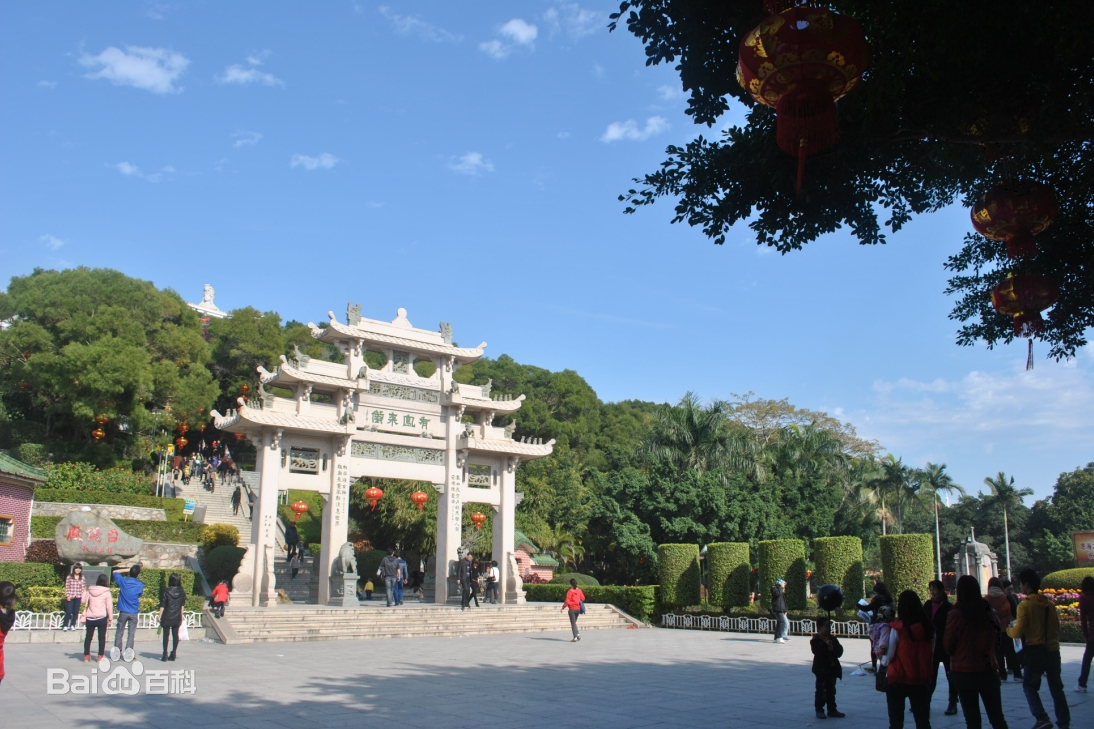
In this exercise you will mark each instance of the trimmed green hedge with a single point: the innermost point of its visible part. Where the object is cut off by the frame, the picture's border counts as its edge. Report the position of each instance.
(907, 563)
(1071, 632)
(679, 575)
(582, 580)
(1067, 579)
(218, 535)
(173, 507)
(52, 599)
(171, 532)
(838, 561)
(222, 563)
(639, 602)
(32, 574)
(728, 574)
(85, 477)
(783, 558)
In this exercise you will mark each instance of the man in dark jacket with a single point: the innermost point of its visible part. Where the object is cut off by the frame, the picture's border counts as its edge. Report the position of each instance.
(937, 608)
(464, 574)
(778, 606)
(826, 667)
(389, 572)
(292, 541)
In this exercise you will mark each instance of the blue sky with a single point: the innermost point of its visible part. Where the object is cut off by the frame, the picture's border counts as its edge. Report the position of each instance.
(462, 160)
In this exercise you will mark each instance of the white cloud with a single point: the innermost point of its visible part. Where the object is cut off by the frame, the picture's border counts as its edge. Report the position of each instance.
(629, 130)
(516, 33)
(575, 21)
(244, 138)
(563, 135)
(158, 11)
(471, 163)
(668, 93)
(151, 69)
(414, 25)
(324, 161)
(240, 74)
(131, 170)
(51, 242)
(598, 70)
(47, 84)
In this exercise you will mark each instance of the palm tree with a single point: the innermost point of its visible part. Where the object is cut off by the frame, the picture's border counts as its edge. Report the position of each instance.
(693, 436)
(560, 544)
(933, 480)
(894, 489)
(1004, 494)
(806, 451)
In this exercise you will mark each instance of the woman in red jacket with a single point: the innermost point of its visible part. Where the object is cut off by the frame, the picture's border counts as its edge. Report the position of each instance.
(972, 633)
(575, 601)
(910, 662)
(1086, 620)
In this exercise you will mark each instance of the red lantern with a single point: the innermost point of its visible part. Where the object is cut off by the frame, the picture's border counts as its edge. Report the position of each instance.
(244, 389)
(1015, 212)
(299, 508)
(183, 428)
(239, 436)
(373, 495)
(800, 62)
(478, 519)
(418, 498)
(1024, 296)
(102, 420)
(98, 434)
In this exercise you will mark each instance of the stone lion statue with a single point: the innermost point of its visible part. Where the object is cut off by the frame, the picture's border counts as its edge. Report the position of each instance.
(346, 561)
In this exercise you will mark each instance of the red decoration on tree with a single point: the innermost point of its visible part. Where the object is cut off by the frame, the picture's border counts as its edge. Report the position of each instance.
(299, 508)
(1014, 212)
(800, 62)
(478, 519)
(98, 434)
(373, 495)
(419, 498)
(181, 442)
(244, 389)
(102, 420)
(1024, 296)
(239, 436)
(183, 428)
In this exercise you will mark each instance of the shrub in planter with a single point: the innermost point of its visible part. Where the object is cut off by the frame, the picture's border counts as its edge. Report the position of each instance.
(222, 563)
(582, 580)
(678, 565)
(728, 574)
(218, 535)
(783, 558)
(1066, 579)
(907, 563)
(839, 562)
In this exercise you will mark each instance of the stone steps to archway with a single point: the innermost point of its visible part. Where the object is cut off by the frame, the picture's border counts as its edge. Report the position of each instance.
(306, 623)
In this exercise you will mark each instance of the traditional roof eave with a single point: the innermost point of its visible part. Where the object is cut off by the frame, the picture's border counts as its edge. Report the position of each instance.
(343, 331)
(247, 418)
(15, 471)
(286, 373)
(501, 407)
(525, 451)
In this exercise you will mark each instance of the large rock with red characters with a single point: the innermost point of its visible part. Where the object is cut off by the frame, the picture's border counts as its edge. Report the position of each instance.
(85, 536)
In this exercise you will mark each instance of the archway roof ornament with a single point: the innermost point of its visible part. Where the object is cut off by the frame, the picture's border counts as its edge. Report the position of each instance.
(397, 333)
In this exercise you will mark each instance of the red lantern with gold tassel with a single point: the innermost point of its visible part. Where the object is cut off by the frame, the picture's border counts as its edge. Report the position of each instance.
(373, 495)
(183, 428)
(239, 436)
(299, 508)
(800, 62)
(478, 519)
(98, 434)
(1015, 212)
(419, 499)
(1024, 296)
(181, 442)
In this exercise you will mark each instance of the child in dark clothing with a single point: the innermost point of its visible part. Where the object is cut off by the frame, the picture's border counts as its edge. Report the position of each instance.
(826, 667)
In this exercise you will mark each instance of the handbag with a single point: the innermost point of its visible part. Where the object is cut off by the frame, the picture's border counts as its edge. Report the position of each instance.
(881, 679)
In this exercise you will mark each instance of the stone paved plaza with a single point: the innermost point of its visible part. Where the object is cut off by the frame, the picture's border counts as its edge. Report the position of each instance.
(612, 678)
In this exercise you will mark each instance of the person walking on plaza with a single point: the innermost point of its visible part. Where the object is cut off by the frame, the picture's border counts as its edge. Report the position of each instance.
(250, 504)
(292, 540)
(475, 574)
(908, 660)
(1038, 625)
(827, 651)
(938, 609)
(130, 591)
(778, 606)
(389, 573)
(1004, 654)
(98, 615)
(7, 617)
(463, 577)
(172, 603)
(220, 598)
(1086, 621)
(400, 582)
(972, 632)
(493, 577)
(575, 604)
(75, 586)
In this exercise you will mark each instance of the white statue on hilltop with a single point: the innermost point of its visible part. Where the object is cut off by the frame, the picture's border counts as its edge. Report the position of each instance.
(208, 294)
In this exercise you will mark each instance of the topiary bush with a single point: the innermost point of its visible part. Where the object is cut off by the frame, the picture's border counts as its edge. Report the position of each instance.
(639, 602)
(367, 563)
(1066, 579)
(728, 574)
(838, 561)
(678, 567)
(218, 535)
(32, 574)
(783, 558)
(907, 563)
(222, 563)
(582, 580)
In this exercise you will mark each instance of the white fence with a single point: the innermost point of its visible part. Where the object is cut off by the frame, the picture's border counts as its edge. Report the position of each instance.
(26, 620)
(848, 629)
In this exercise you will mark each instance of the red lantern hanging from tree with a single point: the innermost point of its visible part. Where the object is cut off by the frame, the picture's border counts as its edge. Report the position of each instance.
(1024, 296)
(183, 428)
(800, 62)
(419, 498)
(98, 434)
(181, 442)
(478, 519)
(1014, 212)
(244, 389)
(373, 495)
(299, 508)
(102, 420)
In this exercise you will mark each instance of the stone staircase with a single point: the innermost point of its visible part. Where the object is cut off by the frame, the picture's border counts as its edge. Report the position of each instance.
(298, 590)
(296, 623)
(218, 505)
